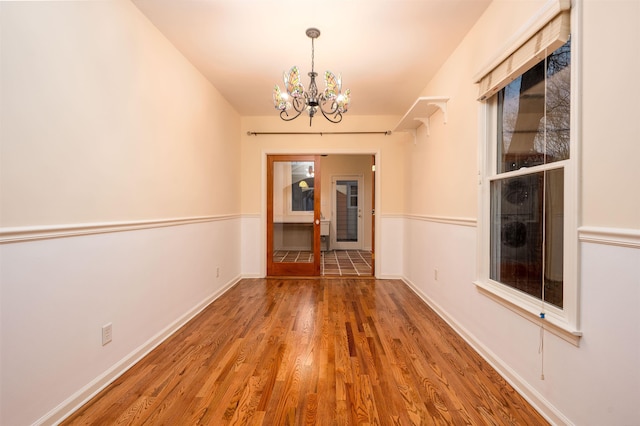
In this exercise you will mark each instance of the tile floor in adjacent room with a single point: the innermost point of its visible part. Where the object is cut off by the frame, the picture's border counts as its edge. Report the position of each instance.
(346, 262)
(334, 262)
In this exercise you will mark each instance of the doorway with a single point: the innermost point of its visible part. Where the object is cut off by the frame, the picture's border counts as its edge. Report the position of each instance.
(293, 215)
(305, 237)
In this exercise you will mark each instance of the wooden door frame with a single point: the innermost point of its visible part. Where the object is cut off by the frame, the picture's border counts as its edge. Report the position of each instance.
(294, 269)
(375, 153)
(373, 214)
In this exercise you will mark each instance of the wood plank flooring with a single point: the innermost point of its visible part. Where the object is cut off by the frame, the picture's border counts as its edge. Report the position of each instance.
(326, 351)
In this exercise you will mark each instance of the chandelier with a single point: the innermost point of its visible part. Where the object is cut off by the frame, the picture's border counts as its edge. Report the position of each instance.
(331, 102)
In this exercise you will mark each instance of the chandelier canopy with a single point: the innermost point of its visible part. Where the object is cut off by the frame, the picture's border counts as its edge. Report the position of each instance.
(331, 102)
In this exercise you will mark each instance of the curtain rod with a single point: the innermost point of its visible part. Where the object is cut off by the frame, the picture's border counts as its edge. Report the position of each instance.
(386, 133)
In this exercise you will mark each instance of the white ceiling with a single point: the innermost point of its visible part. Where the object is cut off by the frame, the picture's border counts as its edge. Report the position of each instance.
(385, 50)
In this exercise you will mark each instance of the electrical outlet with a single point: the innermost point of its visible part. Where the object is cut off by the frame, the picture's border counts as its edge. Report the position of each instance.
(435, 274)
(218, 272)
(107, 333)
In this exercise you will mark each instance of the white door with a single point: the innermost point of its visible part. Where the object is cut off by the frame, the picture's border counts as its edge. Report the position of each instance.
(346, 219)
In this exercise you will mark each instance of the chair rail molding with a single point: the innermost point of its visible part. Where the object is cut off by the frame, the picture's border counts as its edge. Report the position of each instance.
(610, 236)
(30, 233)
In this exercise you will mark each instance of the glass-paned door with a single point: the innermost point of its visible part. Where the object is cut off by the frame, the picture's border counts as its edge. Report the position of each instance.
(347, 208)
(293, 215)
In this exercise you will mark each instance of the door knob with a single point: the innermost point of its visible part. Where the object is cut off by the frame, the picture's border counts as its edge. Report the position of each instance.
(317, 222)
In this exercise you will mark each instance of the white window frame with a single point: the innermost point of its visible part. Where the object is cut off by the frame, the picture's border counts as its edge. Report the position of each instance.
(562, 322)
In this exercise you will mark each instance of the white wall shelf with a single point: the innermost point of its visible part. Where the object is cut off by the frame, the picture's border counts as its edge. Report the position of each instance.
(420, 112)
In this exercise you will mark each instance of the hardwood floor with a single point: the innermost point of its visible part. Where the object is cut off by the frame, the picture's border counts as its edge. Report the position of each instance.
(312, 351)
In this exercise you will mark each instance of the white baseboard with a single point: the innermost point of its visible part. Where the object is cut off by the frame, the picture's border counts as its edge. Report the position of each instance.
(541, 404)
(81, 397)
(251, 276)
(390, 277)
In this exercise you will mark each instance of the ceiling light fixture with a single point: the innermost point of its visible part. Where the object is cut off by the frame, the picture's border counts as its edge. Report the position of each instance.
(331, 102)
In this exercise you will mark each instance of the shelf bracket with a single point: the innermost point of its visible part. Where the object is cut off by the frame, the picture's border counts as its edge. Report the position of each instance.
(420, 113)
(425, 122)
(414, 132)
(442, 105)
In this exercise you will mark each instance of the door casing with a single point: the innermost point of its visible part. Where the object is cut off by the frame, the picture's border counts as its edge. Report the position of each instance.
(293, 268)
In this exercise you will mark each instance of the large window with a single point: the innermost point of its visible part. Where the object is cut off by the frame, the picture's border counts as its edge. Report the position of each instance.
(527, 189)
(526, 256)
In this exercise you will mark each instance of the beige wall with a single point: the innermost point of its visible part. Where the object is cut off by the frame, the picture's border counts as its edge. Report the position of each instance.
(442, 167)
(610, 92)
(255, 148)
(91, 131)
(104, 120)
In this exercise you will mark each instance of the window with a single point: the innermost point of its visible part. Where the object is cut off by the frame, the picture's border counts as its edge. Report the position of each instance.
(353, 195)
(527, 189)
(528, 180)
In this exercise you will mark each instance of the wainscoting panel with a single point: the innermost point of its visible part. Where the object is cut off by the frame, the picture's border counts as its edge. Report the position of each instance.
(253, 246)
(57, 293)
(389, 247)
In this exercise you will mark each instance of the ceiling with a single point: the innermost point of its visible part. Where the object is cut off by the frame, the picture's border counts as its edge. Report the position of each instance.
(385, 50)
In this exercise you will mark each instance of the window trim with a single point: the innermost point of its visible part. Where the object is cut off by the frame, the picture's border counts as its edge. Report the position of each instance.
(562, 322)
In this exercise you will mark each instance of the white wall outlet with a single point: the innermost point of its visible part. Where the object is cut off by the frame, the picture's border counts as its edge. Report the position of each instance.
(107, 333)
(218, 272)
(435, 274)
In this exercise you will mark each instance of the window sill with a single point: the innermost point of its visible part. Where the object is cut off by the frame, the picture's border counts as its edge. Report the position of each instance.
(517, 303)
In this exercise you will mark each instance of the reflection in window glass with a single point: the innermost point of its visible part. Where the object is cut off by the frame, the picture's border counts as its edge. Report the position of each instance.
(302, 184)
(527, 210)
(533, 114)
(527, 234)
